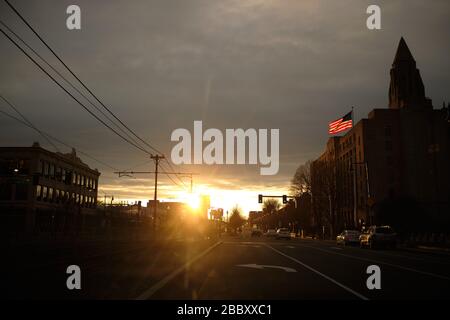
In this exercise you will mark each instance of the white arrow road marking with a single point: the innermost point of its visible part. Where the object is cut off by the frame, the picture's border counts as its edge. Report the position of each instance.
(261, 266)
(320, 273)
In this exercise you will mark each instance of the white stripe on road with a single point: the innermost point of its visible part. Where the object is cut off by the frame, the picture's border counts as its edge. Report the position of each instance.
(336, 248)
(151, 291)
(381, 262)
(320, 274)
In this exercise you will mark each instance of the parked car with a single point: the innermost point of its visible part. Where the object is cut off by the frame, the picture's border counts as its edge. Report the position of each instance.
(347, 237)
(378, 236)
(271, 233)
(283, 233)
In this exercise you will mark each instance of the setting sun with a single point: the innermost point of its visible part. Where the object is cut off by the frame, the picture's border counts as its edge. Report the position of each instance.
(193, 200)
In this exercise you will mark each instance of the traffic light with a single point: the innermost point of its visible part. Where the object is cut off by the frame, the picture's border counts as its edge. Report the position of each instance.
(260, 198)
(285, 199)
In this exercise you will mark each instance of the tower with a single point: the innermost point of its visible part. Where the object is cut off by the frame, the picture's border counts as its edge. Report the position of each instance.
(406, 89)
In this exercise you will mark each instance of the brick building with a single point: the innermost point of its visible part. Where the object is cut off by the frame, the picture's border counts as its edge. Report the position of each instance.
(392, 167)
(43, 191)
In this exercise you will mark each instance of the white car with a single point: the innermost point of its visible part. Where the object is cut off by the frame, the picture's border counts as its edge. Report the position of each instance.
(283, 233)
(271, 233)
(348, 237)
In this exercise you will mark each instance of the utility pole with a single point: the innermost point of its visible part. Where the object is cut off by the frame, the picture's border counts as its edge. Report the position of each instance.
(156, 158)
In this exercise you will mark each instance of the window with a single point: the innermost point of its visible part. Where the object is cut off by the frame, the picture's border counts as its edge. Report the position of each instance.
(63, 175)
(46, 168)
(50, 195)
(52, 171)
(58, 173)
(44, 193)
(57, 196)
(69, 177)
(42, 167)
(38, 192)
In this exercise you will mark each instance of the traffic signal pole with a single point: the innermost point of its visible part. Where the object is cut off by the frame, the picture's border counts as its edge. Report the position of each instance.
(284, 197)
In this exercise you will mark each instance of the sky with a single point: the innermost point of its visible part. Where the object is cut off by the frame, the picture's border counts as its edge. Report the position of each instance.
(264, 64)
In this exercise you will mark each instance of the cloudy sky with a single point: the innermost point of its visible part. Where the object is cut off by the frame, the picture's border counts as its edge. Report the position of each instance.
(161, 64)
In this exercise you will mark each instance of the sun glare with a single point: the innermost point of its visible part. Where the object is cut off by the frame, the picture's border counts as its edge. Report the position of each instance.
(194, 201)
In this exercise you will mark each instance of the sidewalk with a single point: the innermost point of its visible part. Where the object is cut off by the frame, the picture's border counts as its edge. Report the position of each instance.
(426, 250)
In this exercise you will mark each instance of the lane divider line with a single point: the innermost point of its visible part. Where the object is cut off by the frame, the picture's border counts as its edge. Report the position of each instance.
(319, 273)
(151, 291)
(381, 262)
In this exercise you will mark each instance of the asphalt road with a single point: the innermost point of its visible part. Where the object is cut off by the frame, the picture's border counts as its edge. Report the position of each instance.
(322, 271)
(232, 268)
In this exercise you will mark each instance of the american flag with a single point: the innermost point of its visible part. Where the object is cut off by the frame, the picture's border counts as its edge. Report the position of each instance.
(341, 124)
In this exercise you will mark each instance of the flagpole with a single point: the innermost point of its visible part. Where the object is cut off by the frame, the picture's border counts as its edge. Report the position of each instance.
(353, 119)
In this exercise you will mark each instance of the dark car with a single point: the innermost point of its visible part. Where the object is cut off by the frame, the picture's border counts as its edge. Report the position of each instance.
(378, 236)
(347, 237)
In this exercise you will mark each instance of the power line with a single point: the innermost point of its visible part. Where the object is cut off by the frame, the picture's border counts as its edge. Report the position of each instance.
(29, 122)
(56, 139)
(76, 77)
(168, 176)
(84, 96)
(70, 94)
(177, 175)
(84, 85)
(66, 80)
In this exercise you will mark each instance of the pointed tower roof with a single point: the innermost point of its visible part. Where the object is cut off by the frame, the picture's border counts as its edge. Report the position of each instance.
(406, 89)
(403, 53)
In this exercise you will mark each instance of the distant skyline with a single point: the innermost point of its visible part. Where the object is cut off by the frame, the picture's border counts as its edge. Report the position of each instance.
(160, 65)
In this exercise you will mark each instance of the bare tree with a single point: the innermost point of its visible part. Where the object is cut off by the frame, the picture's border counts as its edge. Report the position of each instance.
(324, 192)
(271, 205)
(236, 220)
(301, 182)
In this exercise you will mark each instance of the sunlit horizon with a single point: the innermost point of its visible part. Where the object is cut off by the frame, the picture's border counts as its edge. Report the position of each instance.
(227, 199)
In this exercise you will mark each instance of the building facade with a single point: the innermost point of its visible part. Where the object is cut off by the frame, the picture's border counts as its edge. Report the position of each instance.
(392, 167)
(43, 191)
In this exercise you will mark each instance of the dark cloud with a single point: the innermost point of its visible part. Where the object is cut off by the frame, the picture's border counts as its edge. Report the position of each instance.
(160, 65)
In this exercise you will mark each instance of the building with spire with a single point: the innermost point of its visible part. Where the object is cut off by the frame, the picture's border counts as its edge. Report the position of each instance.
(393, 166)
